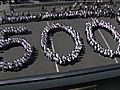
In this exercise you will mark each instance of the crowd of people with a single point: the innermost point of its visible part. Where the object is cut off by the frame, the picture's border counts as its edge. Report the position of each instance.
(96, 24)
(14, 30)
(84, 11)
(118, 16)
(47, 46)
(6, 43)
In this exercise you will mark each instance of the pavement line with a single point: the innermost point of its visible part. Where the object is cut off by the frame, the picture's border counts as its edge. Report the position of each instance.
(56, 65)
(116, 61)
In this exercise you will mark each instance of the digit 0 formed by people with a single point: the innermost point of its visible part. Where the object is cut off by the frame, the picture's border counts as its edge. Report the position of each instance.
(94, 24)
(54, 56)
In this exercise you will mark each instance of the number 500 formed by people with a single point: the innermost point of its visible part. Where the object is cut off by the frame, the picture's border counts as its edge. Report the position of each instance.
(46, 40)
